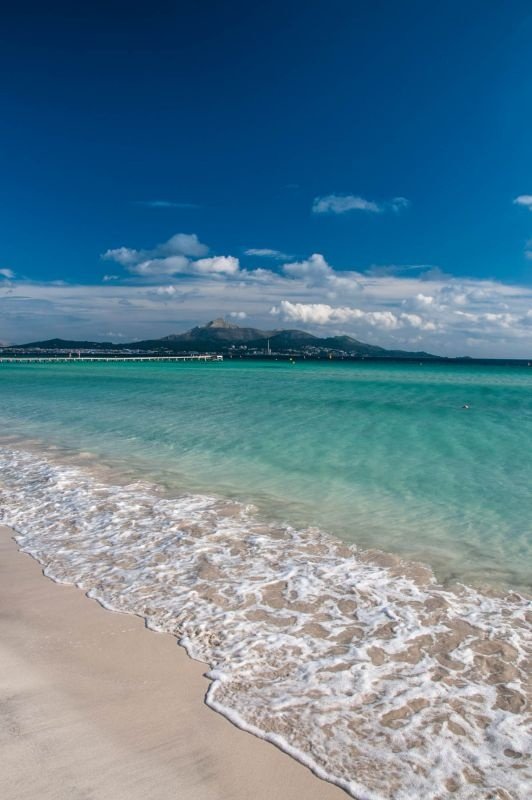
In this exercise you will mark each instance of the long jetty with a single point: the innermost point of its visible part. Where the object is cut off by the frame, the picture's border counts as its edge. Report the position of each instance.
(77, 359)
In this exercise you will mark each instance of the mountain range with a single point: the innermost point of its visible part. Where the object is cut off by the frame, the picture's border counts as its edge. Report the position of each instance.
(220, 336)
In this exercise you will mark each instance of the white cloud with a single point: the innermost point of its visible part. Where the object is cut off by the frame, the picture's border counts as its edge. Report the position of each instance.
(167, 290)
(416, 321)
(314, 268)
(323, 314)
(7, 273)
(186, 244)
(491, 319)
(341, 203)
(107, 278)
(122, 255)
(171, 265)
(528, 250)
(403, 308)
(218, 265)
(316, 272)
(266, 252)
(524, 200)
(169, 258)
(178, 255)
(423, 300)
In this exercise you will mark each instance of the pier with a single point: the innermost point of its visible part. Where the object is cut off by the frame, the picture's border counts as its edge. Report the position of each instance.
(115, 359)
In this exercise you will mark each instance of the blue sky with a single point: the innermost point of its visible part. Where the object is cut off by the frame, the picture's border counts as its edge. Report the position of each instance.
(389, 139)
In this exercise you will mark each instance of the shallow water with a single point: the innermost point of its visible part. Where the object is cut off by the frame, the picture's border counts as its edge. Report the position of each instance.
(218, 501)
(382, 455)
(358, 664)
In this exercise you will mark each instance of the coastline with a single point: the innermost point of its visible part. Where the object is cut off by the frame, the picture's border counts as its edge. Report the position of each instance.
(94, 704)
(208, 572)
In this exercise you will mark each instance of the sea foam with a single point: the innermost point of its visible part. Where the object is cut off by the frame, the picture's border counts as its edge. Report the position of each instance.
(356, 663)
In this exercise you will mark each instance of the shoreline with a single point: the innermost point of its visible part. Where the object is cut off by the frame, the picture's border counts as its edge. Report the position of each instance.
(94, 704)
(397, 663)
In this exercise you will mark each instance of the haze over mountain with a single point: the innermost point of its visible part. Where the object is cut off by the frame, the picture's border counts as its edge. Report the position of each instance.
(221, 336)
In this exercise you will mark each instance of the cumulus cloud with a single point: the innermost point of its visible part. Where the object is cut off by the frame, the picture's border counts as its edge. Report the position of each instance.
(423, 300)
(166, 290)
(181, 244)
(416, 321)
(7, 273)
(314, 268)
(323, 314)
(316, 272)
(186, 244)
(179, 284)
(169, 258)
(218, 265)
(447, 316)
(524, 200)
(122, 255)
(266, 252)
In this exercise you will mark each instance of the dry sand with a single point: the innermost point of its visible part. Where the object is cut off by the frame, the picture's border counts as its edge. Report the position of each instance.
(93, 706)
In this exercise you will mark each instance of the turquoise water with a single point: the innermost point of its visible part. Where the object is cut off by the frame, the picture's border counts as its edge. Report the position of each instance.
(360, 665)
(382, 455)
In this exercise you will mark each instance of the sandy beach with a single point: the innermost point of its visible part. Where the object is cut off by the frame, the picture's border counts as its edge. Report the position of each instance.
(94, 705)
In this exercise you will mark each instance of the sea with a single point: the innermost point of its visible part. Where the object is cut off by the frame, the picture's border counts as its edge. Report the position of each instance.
(346, 545)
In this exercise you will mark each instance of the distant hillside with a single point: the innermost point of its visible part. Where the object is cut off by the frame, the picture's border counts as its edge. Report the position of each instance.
(64, 344)
(220, 336)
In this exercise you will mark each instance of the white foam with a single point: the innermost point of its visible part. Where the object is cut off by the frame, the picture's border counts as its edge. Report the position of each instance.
(359, 665)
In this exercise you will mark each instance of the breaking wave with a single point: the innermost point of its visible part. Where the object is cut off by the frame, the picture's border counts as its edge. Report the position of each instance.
(358, 664)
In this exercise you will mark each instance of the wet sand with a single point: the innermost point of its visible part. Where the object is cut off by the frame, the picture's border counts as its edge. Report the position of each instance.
(94, 706)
